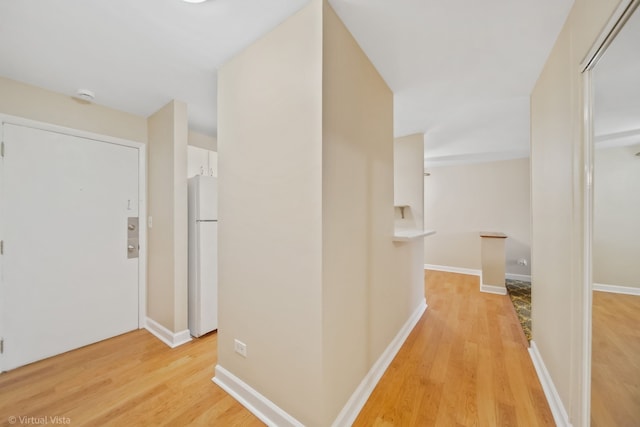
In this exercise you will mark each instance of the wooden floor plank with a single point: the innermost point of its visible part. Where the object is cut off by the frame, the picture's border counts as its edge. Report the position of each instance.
(615, 360)
(133, 379)
(464, 364)
(475, 368)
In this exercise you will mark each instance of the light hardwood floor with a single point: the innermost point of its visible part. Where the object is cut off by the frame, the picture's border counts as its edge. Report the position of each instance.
(130, 380)
(465, 364)
(615, 360)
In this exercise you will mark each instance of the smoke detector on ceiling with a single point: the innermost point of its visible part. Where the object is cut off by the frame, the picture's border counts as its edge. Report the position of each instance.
(85, 95)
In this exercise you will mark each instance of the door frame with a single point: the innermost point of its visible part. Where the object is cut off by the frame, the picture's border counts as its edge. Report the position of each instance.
(142, 201)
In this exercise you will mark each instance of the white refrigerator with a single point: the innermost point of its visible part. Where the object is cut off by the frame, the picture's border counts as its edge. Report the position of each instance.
(203, 254)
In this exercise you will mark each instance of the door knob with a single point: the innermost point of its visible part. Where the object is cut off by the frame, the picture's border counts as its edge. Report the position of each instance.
(132, 227)
(131, 248)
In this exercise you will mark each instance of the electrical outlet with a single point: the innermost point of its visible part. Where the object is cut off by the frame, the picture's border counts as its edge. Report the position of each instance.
(240, 348)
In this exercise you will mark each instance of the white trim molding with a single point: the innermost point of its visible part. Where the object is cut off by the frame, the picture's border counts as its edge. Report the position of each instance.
(274, 416)
(172, 339)
(142, 230)
(616, 289)
(267, 411)
(551, 393)
(459, 270)
(492, 289)
(354, 405)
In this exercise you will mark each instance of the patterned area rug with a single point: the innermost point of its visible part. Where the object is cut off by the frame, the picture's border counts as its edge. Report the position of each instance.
(520, 294)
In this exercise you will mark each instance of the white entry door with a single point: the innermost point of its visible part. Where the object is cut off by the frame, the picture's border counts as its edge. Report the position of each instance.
(67, 280)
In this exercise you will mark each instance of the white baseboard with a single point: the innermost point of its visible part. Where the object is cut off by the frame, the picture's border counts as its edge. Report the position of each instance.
(474, 272)
(354, 405)
(459, 270)
(521, 277)
(553, 398)
(172, 339)
(272, 415)
(491, 289)
(616, 289)
(267, 411)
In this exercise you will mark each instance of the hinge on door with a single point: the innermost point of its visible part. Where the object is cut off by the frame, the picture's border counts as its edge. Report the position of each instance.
(2, 149)
(1, 345)
(1, 247)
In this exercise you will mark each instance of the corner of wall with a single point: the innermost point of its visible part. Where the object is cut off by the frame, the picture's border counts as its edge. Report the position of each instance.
(167, 204)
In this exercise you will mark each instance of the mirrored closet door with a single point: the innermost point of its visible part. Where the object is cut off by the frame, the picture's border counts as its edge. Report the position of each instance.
(615, 250)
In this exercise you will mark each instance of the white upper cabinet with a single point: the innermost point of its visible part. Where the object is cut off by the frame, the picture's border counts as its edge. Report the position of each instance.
(201, 162)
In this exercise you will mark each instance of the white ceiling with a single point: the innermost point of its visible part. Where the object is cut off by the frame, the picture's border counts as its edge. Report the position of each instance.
(461, 71)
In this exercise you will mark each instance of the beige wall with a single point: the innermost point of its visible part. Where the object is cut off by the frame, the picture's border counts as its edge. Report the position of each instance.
(201, 140)
(270, 207)
(557, 199)
(367, 289)
(167, 205)
(492, 253)
(408, 188)
(309, 276)
(616, 206)
(408, 183)
(462, 200)
(346, 209)
(30, 102)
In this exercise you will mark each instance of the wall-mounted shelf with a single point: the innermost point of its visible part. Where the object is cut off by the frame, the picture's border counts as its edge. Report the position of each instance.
(402, 207)
(411, 234)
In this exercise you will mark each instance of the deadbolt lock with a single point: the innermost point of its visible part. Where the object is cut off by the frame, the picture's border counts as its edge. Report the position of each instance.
(133, 240)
